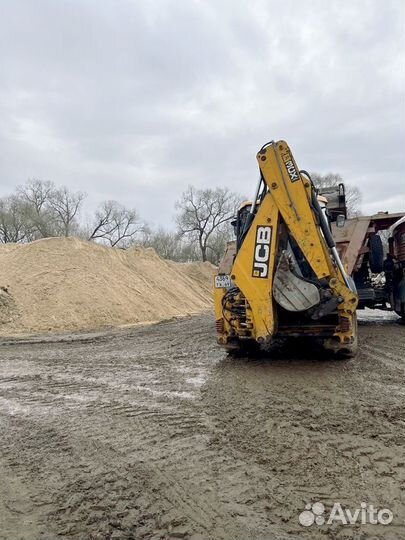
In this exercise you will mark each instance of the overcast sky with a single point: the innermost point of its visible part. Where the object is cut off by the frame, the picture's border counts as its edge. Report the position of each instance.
(134, 100)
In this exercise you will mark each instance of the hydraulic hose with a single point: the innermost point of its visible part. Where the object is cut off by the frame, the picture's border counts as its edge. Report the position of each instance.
(329, 238)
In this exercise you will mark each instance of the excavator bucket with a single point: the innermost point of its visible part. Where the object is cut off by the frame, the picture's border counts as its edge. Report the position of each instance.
(291, 291)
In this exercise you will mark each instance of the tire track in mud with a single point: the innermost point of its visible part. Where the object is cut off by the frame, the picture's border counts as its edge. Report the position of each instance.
(154, 432)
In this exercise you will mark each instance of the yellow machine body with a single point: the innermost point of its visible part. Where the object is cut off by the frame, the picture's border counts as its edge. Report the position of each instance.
(283, 276)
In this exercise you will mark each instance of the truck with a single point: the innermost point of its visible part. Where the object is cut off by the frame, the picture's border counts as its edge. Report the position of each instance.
(377, 267)
(283, 276)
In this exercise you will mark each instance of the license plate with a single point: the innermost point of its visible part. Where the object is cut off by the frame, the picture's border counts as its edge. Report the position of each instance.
(223, 282)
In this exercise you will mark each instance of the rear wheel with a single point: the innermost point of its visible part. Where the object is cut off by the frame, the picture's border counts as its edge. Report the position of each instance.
(243, 348)
(401, 313)
(376, 255)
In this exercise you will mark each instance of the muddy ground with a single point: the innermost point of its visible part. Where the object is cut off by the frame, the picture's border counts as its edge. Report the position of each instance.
(154, 432)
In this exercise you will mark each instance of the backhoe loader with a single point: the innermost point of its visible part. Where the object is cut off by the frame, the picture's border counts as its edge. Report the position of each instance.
(283, 277)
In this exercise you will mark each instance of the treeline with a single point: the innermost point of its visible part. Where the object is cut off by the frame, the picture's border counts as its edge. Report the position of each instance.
(40, 209)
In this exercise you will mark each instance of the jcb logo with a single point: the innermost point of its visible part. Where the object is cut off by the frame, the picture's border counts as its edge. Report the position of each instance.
(262, 252)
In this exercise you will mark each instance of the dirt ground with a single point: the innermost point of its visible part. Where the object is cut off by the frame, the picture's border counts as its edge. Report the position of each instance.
(154, 432)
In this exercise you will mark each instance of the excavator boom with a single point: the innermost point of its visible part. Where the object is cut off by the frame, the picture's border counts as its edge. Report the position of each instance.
(283, 275)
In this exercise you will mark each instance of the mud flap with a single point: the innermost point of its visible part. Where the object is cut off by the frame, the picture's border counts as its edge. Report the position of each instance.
(292, 292)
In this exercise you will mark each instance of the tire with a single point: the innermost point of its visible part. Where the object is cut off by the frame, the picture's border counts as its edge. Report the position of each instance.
(376, 255)
(401, 313)
(241, 348)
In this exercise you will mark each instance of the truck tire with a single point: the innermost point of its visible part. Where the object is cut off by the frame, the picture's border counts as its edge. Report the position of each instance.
(401, 312)
(376, 255)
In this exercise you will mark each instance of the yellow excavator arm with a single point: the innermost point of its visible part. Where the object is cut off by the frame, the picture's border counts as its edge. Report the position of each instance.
(283, 275)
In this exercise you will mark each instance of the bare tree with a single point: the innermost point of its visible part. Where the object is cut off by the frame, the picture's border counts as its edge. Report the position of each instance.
(36, 194)
(15, 224)
(65, 206)
(102, 225)
(203, 212)
(218, 241)
(116, 224)
(169, 245)
(353, 194)
(51, 211)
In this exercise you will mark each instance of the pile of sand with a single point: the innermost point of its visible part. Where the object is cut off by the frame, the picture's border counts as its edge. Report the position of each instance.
(61, 284)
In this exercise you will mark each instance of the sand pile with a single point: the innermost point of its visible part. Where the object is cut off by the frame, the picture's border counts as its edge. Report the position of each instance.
(61, 284)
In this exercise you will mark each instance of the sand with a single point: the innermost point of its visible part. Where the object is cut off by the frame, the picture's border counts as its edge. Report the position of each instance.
(65, 284)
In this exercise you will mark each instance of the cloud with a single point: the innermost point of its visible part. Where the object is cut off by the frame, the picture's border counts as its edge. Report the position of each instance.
(135, 100)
